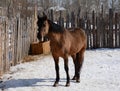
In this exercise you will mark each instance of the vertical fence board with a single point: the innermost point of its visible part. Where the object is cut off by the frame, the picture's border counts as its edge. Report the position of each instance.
(119, 33)
(67, 20)
(0, 47)
(7, 44)
(98, 33)
(72, 20)
(116, 30)
(111, 28)
(93, 30)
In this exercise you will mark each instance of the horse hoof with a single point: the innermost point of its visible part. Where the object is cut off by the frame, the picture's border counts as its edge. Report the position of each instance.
(74, 78)
(78, 80)
(67, 85)
(55, 85)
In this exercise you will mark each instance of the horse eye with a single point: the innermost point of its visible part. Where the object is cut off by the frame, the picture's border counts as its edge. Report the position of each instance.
(43, 25)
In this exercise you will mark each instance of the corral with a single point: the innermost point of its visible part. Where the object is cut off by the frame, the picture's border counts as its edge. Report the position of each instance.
(18, 30)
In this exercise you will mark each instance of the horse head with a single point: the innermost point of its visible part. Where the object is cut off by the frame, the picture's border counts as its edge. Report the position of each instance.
(43, 27)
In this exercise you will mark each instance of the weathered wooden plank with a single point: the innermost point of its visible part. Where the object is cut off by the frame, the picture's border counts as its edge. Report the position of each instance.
(67, 20)
(88, 33)
(116, 30)
(0, 47)
(110, 28)
(73, 20)
(119, 33)
(93, 29)
(7, 44)
(98, 33)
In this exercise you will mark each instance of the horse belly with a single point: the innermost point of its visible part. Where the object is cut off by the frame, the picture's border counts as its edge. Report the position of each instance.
(74, 51)
(57, 51)
(75, 48)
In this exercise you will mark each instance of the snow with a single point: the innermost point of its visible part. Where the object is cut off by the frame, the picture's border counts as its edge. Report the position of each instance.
(57, 8)
(100, 72)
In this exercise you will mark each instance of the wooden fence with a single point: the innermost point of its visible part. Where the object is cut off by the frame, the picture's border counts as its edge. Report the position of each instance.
(103, 30)
(16, 34)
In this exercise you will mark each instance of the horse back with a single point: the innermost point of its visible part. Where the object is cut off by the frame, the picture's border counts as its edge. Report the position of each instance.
(78, 34)
(78, 40)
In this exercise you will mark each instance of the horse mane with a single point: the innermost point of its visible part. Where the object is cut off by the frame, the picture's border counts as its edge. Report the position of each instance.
(55, 27)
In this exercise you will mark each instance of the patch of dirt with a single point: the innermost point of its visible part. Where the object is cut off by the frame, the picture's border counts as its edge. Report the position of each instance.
(31, 58)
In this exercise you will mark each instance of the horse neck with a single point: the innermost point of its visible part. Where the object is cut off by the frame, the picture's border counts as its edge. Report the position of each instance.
(55, 31)
(55, 37)
(55, 28)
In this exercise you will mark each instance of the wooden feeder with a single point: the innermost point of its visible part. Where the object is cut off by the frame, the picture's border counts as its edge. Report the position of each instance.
(40, 48)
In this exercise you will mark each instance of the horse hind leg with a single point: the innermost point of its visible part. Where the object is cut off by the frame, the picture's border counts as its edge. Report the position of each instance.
(79, 63)
(74, 60)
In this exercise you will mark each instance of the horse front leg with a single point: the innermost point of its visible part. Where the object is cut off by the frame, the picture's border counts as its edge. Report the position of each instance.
(67, 71)
(56, 60)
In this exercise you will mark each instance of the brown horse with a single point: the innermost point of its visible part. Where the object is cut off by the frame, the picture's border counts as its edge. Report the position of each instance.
(63, 43)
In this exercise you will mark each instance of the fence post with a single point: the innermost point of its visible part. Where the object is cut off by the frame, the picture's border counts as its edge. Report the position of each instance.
(67, 20)
(35, 23)
(98, 32)
(72, 19)
(110, 28)
(107, 30)
(78, 17)
(51, 15)
(0, 48)
(116, 30)
(87, 29)
(101, 29)
(103, 32)
(7, 46)
(18, 40)
(88, 33)
(93, 29)
(119, 32)
(61, 20)
(12, 55)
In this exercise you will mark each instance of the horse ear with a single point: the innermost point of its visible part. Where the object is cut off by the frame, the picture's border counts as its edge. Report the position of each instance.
(38, 16)
(45, 16)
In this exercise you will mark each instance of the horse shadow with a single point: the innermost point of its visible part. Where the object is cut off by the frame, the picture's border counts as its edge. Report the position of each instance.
(16, 83)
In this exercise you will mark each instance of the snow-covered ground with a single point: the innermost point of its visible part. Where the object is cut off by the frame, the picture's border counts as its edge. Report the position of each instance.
(100, 72)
